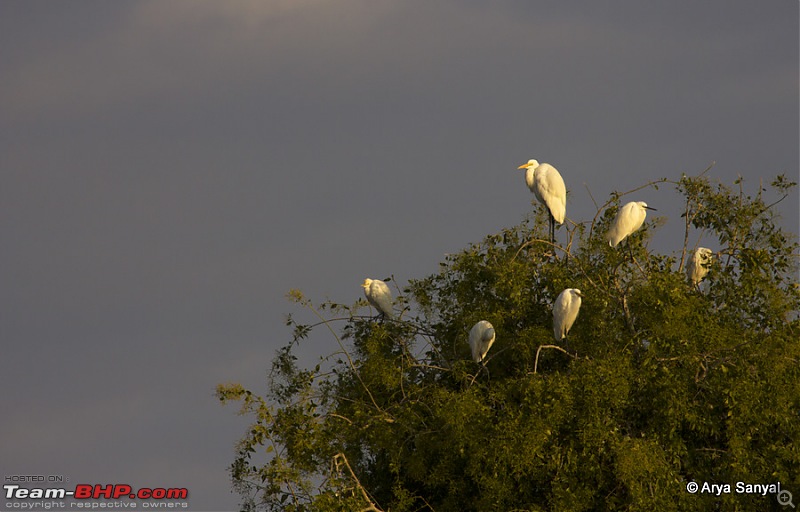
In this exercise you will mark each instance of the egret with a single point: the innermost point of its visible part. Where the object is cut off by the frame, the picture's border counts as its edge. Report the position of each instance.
(698, 265)
(379, 295)
(629, 219)
(565, 311)
(481, 337)
(548, 186)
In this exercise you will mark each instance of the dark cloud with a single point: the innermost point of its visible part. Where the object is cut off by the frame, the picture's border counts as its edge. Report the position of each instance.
(171, 169)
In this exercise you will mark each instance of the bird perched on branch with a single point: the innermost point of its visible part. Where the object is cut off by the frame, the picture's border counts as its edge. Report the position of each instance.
(379, 295)
(481, 337)
(548, 186)
(565, 311)
(628, 220)
(698, 265)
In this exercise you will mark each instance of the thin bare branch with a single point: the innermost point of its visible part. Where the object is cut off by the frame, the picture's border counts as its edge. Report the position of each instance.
(347, 355)
(534, 240)
(556, 347)
(688, 223)
(772, 204)
(372, 506)
(590, 195)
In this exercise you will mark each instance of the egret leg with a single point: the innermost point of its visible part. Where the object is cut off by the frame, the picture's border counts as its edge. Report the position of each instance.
(633, 260)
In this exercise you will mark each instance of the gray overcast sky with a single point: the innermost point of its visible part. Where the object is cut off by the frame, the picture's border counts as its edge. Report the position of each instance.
(169, 170)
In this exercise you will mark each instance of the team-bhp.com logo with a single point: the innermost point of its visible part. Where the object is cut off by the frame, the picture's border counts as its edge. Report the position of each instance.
(96, 492)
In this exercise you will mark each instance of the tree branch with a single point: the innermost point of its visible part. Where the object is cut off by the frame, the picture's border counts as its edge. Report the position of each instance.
(372, 506)
(536, 362)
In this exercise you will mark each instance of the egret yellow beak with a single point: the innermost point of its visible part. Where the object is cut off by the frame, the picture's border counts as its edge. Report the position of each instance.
(523, 166)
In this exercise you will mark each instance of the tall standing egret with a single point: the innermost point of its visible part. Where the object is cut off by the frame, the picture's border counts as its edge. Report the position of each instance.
(481, 337)
(565, 311)
(379, 295)
(548, 186)
(628, 220)
(698, 265)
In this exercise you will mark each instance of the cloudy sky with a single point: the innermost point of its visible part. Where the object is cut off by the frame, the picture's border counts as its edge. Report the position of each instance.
(169, 170)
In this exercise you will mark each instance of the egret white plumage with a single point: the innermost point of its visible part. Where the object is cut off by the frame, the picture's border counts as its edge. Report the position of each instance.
(379, 295)
(548, 186)
(628, 220)
(481, 337)
(565, 311)
(698, 265)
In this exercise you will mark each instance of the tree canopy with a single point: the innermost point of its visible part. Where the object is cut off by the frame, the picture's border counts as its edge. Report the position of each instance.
(659, 383)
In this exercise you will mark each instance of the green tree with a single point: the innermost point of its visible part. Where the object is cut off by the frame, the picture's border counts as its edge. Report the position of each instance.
(660, 384)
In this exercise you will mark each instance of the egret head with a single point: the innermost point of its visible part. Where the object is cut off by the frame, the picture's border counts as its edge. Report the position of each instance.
(644, 205)
(577, 292)
(532, 164)
(366, 283)
(703, 255)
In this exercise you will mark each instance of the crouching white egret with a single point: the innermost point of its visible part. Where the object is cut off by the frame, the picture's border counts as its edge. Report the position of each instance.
(548, 186)
(628, 220)
(379, 295)
(565, 311)
(481, 337)
(698, 265)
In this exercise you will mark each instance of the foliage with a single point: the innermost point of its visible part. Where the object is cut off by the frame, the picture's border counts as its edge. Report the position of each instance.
(660, 384)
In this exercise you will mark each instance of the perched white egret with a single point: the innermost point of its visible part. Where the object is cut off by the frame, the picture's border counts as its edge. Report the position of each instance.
(379, 295)
(565, 311)
(548, 186)
(481, 337)
(698, 265)
(629, 219)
